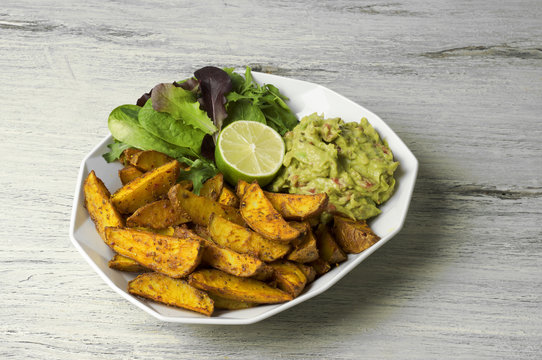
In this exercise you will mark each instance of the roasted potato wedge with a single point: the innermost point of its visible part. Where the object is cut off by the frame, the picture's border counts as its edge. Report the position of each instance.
(176, 292)
(289, 277)
(149, 160)
(229, 286)
(157, 215)
(320, 266)
(230, 304)
(200, 230)
(309, 272)
(242, 186)
(129, 173)
(329, 250)
(305, 250)
(353, 236)
(212, 188)
(169, 231)
(298, 207)
(99, 206)
(225, 259)
(168, 255)
(200, 208)
(243, 240)
(262, 217)
(147, 188)
(228, 197)
(127, 155)
(123, 263)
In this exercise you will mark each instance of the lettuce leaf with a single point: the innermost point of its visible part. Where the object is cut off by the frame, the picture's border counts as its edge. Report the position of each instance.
(115, 150)
(169, 129)
(181, 104)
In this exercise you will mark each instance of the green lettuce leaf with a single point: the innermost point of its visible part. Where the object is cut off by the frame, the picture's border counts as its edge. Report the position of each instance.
(200, 170)
(115, 150)
(181, 104)
(244, 110)
(165, 127)
(124, 126)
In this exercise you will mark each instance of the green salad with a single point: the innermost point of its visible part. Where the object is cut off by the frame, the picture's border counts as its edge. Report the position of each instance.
(182, 119)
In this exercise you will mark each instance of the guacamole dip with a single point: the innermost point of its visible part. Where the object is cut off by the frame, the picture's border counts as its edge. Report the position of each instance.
(348, 161)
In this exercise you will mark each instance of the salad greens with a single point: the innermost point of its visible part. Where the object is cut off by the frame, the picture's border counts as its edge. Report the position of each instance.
(178, 119)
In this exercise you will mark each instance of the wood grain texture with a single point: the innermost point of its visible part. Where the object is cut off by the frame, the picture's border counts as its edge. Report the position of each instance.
(459, 81)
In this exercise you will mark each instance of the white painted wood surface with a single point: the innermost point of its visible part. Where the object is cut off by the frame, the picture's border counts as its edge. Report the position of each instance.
(459, 81)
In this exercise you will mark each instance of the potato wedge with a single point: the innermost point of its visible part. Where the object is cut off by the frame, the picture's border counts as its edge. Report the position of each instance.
(329, 250)
(200, 230)
(129, 173)
(230, 304)
(99, 206)
(262, 217)
(169, 231)
(212, 188)
(309, 272)
(305, 250)
(289, 277)
(127, 155)
(158, 215)
(298, 207)
(147, 188)
(353, 236)
(123, 263)
(229, 286)
(200, 208)
(242, 186)
(176, 292)
(168, 255)
(225, 259)
(228, 197)
(149, 160)
(320, 266)
(245, 241)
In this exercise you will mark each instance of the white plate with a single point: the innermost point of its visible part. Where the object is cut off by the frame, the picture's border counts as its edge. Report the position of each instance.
(305, 98)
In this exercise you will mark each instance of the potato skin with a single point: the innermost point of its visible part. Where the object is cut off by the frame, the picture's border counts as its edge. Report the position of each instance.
(127, 155)
(228, 197)
(306, 249)
(309, 272)
(353, 236)
(212, 188)
(176, 292)
(262, 217)
(129, 173)
(149, 160)
(298, 207)
(329, 250)
(123, 263)
(246, 241)
(158, 215)
(219, 283)
(320, 266)
(99, 206)
(230, 304)
(200, 208)
(168, 255)
(147, 188)
(289, 277)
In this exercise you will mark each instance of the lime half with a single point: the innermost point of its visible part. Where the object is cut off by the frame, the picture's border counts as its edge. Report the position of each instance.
(249, 150)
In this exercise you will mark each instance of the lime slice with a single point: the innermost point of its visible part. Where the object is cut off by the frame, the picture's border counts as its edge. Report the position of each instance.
(249, 150)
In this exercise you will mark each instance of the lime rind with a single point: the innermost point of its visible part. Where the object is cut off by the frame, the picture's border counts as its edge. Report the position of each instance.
(249, 151)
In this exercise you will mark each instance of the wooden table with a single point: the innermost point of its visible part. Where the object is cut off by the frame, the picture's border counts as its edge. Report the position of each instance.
(459, 81)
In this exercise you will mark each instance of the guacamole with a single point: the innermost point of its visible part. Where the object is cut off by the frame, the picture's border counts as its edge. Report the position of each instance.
(348, 161)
